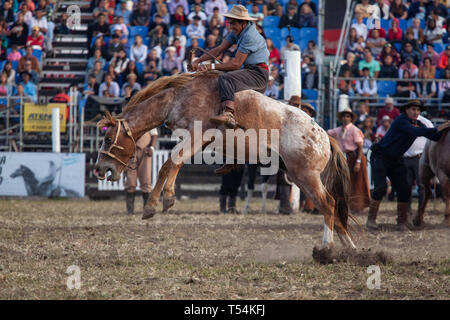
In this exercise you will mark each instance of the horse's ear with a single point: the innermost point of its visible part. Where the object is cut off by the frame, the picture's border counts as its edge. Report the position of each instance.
(107, 121)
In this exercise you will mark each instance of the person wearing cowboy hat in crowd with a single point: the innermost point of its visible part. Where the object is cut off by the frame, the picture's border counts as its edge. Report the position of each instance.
(247, 70)
(351, 139)
(387, 160)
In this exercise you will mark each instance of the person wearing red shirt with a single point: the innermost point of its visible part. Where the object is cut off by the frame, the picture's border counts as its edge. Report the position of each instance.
(395, 33)
(443, 59)
(388, 110)
(274, 54)
(35, 39)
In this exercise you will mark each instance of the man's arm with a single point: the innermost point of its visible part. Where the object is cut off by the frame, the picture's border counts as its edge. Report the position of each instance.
(213, 52)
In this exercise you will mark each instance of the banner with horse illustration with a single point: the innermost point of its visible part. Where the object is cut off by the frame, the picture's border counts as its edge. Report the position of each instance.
(38, 118)
(42, 174)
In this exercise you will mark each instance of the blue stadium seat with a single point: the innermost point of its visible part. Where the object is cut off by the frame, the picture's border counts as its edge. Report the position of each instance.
(201, 42)
(2, 64)
(402, 24)
(386, 87)
(385, 24)
(138, 30)
(272, 32)
(422, 23)
(15, 64)
(310, 94)
(303, 44)
(271, 21)
(439, 73)
(38, 54)
(398, 46)
(249, 8)
(308, 33)
(439, 47)
(277, 43)
(139, 67)
(295, 32)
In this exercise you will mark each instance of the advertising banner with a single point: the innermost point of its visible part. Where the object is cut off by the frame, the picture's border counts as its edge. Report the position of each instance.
(38, 118)
(42, 174)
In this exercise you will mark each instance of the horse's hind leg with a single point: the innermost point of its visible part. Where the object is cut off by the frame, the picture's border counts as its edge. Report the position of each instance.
(425, 179)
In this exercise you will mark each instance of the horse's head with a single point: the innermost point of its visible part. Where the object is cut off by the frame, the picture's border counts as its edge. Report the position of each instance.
(18, 172)
(117, 149)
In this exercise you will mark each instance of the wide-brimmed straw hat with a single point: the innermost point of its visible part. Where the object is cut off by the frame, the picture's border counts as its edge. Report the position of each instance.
(413, 103)
(309, 107)
(349, 111)
(239, 12)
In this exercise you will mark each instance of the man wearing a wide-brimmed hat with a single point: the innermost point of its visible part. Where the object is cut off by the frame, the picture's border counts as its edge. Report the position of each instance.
(251, 53)
(387, 160)
(351, 140)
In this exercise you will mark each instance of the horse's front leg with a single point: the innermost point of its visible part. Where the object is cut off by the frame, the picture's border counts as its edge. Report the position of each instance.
(152, 203)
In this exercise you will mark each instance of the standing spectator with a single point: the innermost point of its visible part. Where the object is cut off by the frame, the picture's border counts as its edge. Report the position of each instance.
(426, 89)
(109, 88)
(398, 10)
(28, 57)
(272, 89)
(432, 32)
(211, 4)
(307, 18)
(139, 50)
(370, 63)
(407, 87)
(351, 140)
(367, 86)
(311, 80)
(386, 161)
(395, 33)
(122, 11)
(410, 66)
(196, 30)
(290, 18)
(197, 12)
(145, 146)
(141, 16)
(388, 69)
(179, 17)
(430, 53)
(360, 27)
(375, 43)
(428, 68)
(19, 32)
(388, 110)
(443, 59)
(170, 61)
(272, 8)
(173, 6)
(381, 130)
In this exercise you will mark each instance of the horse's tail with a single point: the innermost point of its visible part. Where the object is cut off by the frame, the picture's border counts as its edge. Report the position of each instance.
(336, 176)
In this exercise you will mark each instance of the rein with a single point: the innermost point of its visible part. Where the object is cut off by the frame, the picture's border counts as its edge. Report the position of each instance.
(114, 145)
(192, 53)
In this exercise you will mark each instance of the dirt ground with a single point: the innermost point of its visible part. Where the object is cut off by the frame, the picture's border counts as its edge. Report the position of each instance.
(195, 253)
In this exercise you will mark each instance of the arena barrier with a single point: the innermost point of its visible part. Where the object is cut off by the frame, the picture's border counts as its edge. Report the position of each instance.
(158, 159)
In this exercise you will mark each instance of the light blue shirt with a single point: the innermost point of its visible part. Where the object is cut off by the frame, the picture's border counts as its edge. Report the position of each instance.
(252, 43)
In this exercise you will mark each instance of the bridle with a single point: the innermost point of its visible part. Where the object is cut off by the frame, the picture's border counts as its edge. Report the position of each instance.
(123, 123)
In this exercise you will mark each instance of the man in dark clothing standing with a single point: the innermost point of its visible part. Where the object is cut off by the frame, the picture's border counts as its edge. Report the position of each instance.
(387, 160)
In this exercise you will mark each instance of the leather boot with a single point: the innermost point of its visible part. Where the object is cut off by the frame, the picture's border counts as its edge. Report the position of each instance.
(232, 205)
(226, 168)
(227, 116)
(371, 223)
(285, 204)
(223, 203)
(402, 216)
(130, 202)
(145, 196)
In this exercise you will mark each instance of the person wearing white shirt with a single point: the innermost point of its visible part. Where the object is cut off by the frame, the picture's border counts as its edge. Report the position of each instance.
(367, 86)
(412, 158)
(109, 88)
(211, 4)
(197, 12)
(139, 50)
(196, 29)
(361, 28)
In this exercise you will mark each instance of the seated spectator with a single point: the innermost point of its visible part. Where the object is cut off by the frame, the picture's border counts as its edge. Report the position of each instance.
(367, 86)
(101, 9)
(446, 36)
(98, 27)
(197, 53)
(22, 96)
(10, 72)
(360, 27)
(307, 18)
(417, 31)
(109, 88)
(272, 8)
(436, 4)
(426, 89)
(351, 65)
(274, 54)
(34, 76)
(153, 56)
(15, 54)
(150, 73)
(141, 16)
(375, 43)
(200, 2)
(255, 14)
(395, 33)
(7, 12)
(27, 13)
(220, 22)
(62, 27)
(362, 113)
(117, 30)
(410, 66)
(430, 53)
(198, 12)
(96, 72)
(370, 63)
(114, 46)
(6, 89)
(212, 26)
(211, 4)
(444, 88)
(443, 59)
(158, 22)
(174, 4)
(389, 50)
(382, 9)
(40, 20)
(272, 89)
(368, 129)
(132, 83)
(179, 17)
(290, 46)
(61, 96)
(428, 68)
(383, 129)
(99, 44)
(290, 18)
(387, 110)
(120, 25)
(311, 79)
(354, 46)
(432, 32)
(210, 43)
(177, 33)
(364, 8)
(28, 57)
(180, 51)
(36, 39)
(398, 10)
(170, 61)
(97, 57)
(311, 50)
(120, 61)
(111, 71)
(440, 21)
(28, 86)
(139, 50)
(347, 86)
(4, 41)
(91, 87)
(408, 52)
(122, 11)
(418, 10)
(388, 69)
(19, 32)
(409, 38)
(158, 37)
(196, 29)
(407, 87)
(131, 68)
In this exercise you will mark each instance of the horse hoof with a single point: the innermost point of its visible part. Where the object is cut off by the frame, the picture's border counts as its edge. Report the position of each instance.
(168, 203)
(148, 213)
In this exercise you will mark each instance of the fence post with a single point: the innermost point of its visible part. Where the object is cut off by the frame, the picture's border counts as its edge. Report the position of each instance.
(56, 137)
